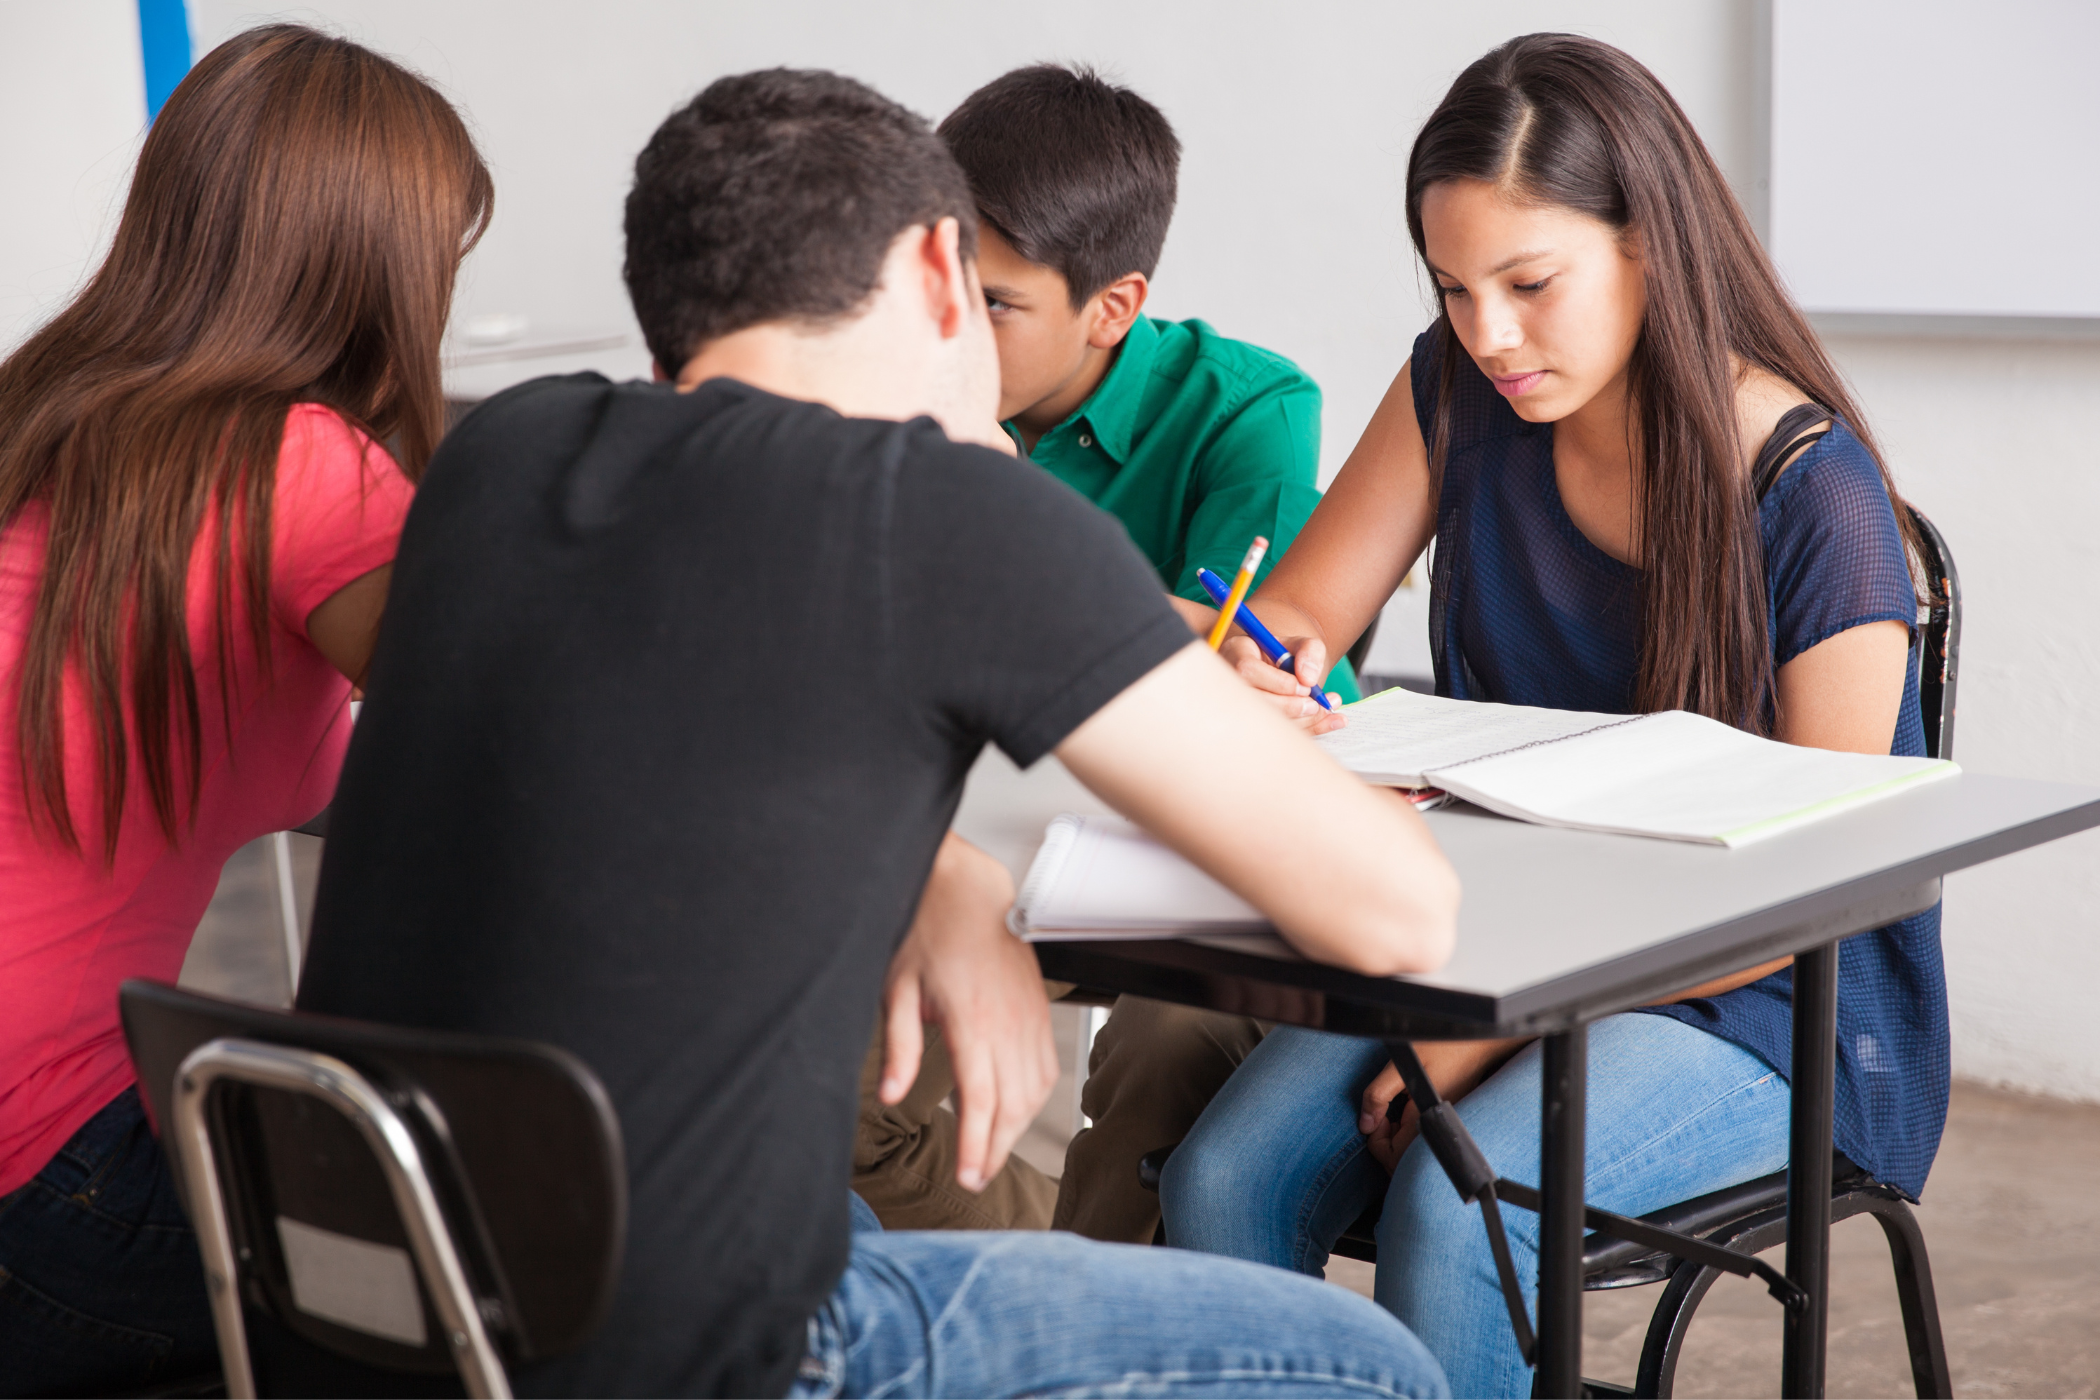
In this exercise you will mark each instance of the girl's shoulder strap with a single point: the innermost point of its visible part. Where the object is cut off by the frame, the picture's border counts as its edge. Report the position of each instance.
(1792, 435)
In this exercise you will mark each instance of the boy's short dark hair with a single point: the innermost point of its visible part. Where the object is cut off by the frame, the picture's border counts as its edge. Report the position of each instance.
(1077, 173)
(775, 196)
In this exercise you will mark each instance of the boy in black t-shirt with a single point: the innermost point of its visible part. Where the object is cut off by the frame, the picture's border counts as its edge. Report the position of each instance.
(570, 814)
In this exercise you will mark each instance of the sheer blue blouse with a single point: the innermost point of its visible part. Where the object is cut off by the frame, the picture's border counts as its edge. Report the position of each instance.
(1526, 610)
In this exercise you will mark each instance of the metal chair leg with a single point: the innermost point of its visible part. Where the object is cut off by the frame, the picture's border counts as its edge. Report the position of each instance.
(1921, 1309)
(1667, 1326)
(287, 912)
(1689, 1282)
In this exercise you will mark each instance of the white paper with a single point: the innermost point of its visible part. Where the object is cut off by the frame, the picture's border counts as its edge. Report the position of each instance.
(1102, 877)
(1398, 737)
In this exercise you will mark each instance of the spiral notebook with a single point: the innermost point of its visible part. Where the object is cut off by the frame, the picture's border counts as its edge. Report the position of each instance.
(1103, 877)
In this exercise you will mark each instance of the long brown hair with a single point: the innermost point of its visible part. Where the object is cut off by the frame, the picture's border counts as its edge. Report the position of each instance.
(291, 235)
(1557, 119)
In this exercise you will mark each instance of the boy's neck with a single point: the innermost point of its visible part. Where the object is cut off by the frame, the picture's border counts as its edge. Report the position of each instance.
(1043, 415)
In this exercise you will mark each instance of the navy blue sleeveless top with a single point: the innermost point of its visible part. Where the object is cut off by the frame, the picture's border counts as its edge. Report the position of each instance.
(1526, 610)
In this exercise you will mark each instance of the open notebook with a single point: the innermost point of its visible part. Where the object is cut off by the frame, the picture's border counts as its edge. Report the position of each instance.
(1673, 774)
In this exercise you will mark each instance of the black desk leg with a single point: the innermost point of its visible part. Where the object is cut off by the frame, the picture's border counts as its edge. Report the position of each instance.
(1563, 1104)
(1808, 1172)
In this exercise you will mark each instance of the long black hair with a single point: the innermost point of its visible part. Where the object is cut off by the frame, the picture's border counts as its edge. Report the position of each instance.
(1564, 121)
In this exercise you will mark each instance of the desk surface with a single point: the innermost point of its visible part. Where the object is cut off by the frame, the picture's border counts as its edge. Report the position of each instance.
(1559, 926)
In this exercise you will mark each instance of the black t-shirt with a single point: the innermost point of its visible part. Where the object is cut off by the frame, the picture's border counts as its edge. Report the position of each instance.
(674, 701)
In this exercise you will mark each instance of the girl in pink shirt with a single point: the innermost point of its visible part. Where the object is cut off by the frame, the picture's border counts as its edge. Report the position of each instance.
(196, 523)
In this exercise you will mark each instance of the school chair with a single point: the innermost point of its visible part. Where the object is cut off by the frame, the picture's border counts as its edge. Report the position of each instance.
(1360, 650)
(1747, 1219)
(382, 1210)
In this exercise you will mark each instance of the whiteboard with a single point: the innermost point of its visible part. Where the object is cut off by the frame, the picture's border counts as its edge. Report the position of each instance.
(1934, 157)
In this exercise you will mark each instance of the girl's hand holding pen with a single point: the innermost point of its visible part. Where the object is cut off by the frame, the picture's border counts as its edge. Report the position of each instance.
(1285, 661)
(1292, 691)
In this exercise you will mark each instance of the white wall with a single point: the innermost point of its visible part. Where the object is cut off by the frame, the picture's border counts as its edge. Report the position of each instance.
(72, 112)
(1994, 439)
(1924, 132)
(1297, 122)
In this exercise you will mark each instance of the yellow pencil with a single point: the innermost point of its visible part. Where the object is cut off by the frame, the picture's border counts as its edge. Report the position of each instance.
(1240, 585)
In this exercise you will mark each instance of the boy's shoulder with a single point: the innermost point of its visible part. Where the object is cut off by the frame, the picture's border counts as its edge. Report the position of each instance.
(586, 420)
(597, 450)
(1193, 350)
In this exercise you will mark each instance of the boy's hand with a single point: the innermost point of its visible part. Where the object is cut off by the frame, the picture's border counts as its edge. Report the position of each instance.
(959, 968)
(1292, 693)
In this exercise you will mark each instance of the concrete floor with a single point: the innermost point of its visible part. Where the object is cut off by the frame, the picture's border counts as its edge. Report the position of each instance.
(2011, 1217)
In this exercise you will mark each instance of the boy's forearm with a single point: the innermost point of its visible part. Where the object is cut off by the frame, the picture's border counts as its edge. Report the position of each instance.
(1199, 618)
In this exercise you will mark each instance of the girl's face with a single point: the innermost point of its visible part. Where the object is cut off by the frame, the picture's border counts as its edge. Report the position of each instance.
(1547, 301)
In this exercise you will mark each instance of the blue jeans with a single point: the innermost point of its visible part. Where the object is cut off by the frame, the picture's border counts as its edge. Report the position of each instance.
(101, 1287)
(953, 1312)
(1275, 1169)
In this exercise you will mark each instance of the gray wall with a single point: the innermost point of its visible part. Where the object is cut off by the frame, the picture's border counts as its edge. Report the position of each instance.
(1297, 121)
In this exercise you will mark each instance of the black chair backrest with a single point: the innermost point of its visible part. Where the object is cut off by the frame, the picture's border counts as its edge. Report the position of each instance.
(1940, 657)
(1360, 654)
(519, 1139)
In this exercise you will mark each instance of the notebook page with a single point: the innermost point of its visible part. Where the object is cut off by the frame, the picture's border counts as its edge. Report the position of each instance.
(1397, 736)
(1684, 777)
(1103, 877)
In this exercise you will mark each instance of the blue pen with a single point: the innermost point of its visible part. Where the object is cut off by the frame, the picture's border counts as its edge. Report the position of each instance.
(1219, 591)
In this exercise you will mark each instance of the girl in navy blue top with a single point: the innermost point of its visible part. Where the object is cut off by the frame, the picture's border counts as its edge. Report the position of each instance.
(1577, 431)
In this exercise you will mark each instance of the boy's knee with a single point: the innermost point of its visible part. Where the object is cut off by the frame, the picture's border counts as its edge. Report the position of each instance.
(1164, 1061)
(1163, 1035)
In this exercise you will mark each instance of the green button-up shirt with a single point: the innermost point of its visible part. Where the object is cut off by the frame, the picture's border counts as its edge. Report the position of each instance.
(1197, 444)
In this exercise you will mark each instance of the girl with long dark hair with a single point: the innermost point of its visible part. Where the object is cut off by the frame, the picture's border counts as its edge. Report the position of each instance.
(196, 522)
(1578, 430)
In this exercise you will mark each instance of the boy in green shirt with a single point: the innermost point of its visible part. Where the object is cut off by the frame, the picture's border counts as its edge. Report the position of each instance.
(1197, 444)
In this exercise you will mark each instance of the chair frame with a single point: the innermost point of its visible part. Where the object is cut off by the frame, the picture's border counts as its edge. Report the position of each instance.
(1939, 655)
(328, 1079)
(1689, 1281)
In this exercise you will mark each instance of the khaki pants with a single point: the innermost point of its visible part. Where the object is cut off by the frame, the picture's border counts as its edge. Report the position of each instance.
(904, 1158)
(1154, 1068)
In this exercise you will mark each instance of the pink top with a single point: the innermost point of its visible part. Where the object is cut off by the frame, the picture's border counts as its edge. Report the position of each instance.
(71, 929)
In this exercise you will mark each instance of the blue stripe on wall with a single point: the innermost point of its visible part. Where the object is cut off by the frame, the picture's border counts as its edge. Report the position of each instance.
(164, 37)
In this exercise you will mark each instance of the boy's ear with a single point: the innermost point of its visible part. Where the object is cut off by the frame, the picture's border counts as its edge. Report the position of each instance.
(1112, 310)
(951, 285)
